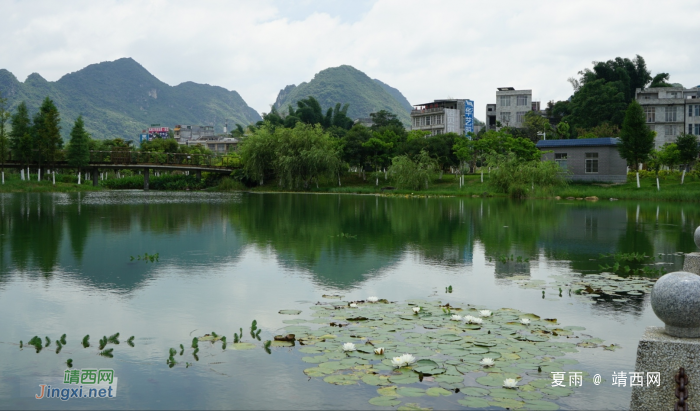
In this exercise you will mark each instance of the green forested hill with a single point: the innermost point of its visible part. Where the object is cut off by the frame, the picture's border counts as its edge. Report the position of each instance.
(120, 98)
(346, 84)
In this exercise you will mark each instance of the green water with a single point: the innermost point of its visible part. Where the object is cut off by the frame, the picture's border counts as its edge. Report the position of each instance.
(226, 259)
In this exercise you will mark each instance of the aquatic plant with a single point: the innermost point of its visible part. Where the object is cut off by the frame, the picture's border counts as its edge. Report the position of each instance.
(524, 321)
(69, 363)
(510, 383)
(195, 342)
(21, 344)
(448, 290)
(114, 338)
(266, 346)
(372, 299)
(487, 362)
(85, 341)
(103, 343)
(182, 348)
(63, 339)
(107, 352)
(347, 347)
(485, 313)
(379, 350)
(130, 341)
(456, 317)
(353, 305)
(48, 342)
(173, 352)
(58, 346)
(416, 310)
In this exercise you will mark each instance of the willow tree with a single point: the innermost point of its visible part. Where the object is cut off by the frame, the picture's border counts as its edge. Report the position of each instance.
(258, 153)
(304, 154)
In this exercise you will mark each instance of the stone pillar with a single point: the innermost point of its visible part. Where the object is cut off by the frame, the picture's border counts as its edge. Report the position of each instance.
(675, 299)
(199, 175)
(692, 260)
(95, 174)
(145, 179)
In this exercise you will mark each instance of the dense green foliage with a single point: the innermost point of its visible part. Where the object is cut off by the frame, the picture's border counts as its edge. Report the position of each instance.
(4, 141)
(120, 98)
(349, 85)
(413, 173)
(78, 152)
(636, 139)
(517, 176)
(688, 149)
(46, 133)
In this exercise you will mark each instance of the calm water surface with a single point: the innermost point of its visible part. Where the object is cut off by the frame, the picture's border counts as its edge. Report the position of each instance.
(226, 259)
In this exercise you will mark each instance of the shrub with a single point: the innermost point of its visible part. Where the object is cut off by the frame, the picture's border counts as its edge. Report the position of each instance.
(514, 176)
(413, 174)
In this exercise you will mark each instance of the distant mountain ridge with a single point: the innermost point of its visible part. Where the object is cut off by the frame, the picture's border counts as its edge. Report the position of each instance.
(346, 84)
(120, 98)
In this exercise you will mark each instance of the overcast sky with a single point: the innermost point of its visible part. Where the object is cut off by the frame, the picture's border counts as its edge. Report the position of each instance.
(427, 49)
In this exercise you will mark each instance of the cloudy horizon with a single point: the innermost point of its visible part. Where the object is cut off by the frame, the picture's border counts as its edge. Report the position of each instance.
(427, 50)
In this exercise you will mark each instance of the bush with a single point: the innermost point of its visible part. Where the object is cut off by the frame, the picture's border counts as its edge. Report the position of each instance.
(514, 176)
(407, 173)
(230, 184)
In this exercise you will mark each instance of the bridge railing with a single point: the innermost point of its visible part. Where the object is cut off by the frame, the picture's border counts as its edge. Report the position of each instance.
(117, 157)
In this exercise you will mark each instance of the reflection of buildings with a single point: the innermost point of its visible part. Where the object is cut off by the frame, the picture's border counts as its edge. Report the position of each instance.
(511, 268)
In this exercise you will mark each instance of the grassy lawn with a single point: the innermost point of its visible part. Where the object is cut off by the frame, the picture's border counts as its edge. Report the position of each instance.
(13, 184)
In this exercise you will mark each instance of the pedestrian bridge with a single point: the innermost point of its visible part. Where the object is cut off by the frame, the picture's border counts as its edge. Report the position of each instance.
(136, 160)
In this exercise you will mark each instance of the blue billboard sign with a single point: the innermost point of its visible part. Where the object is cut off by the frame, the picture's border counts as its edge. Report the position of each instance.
(468, 117)
(143, 137)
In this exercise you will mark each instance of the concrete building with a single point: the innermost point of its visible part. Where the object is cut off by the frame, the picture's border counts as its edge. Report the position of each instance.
(588, 159)
(510, 108)
(670, 111)
(185, 133)
(439, 117)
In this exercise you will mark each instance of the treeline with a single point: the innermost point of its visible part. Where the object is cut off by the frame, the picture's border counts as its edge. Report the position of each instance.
(297, 148)
(37, 140)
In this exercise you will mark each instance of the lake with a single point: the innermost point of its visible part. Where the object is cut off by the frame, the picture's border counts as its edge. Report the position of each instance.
(73, 264)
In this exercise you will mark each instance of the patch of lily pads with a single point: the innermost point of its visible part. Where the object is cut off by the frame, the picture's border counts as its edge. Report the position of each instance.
(607, 285)
(420, 348)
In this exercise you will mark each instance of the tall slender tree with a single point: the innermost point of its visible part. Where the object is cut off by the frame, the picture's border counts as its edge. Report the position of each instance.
(20, 135)
(78, 154)
(688, 151)
(47, 132)
(637, 138)
(4, 142)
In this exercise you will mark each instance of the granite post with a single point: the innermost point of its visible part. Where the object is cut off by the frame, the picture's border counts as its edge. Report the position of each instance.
(692, 260)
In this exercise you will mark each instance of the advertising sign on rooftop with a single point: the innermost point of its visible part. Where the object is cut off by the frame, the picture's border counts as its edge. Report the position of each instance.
(468, 117)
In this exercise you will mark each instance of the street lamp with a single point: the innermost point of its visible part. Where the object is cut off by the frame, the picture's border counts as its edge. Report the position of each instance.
(542, 134)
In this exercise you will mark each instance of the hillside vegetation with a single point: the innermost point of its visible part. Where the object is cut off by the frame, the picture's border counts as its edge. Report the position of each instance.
(118, 99)
(346, 84)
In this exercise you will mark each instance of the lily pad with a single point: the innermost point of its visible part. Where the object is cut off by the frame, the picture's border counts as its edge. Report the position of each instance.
(290, 312)
(384, 401)
(410, 392)
(473, 402)
(437, 392)
(342, 379)
(240, 346)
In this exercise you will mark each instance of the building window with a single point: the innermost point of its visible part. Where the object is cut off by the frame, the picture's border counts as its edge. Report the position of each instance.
(690, 111)
(505, 118)
(690, 129)
(520, 117)
(427, 120)
(650, 113)
(670, 130)
(505, 101)
(697, 111)
(591, 162)
(522, 100)
(671, 94)
(560, 159)
(697, 130)
(671, 113)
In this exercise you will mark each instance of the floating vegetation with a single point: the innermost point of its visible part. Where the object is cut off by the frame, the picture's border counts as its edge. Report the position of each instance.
(182, 347)
(290, 312)
(412, 353)
(130, 341)
(146, 257)
(63, 339)
(69, 363)
(59, 346)
(107, 352)
(114, 338)
(632, 264)
(254, 331)
(21, 344)
(48, 342)
(37, 343)
(195, 342)
(103, 343)
(448, 290)
(610, 286)
(85, 341)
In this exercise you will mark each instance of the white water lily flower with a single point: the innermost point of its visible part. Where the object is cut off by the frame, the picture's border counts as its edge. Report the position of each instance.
(397, 362)
(416, 309)
(524, 321)
(408, 359)
(372, 299)
(487, 362)
(472, 320)
(456, 317)
(348, 347)
(379, 351)
(485, 313)
(510, 383)
(353, 305)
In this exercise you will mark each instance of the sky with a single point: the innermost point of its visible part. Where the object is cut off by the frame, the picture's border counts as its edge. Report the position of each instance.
(427, 49)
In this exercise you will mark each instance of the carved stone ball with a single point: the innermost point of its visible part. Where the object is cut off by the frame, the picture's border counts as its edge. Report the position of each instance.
(675, 299)
(696, 236)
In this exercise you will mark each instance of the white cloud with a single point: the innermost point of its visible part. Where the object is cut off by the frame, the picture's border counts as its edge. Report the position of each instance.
(427, 50)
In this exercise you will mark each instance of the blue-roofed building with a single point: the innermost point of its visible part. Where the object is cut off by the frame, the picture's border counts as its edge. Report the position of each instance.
(588, 159)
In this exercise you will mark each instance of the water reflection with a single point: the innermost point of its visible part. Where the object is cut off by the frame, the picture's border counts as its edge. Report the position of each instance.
(340, 241)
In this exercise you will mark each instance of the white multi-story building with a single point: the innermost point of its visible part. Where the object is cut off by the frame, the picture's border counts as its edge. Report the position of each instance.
(670, 111)
(440, 116)
(510, 108)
